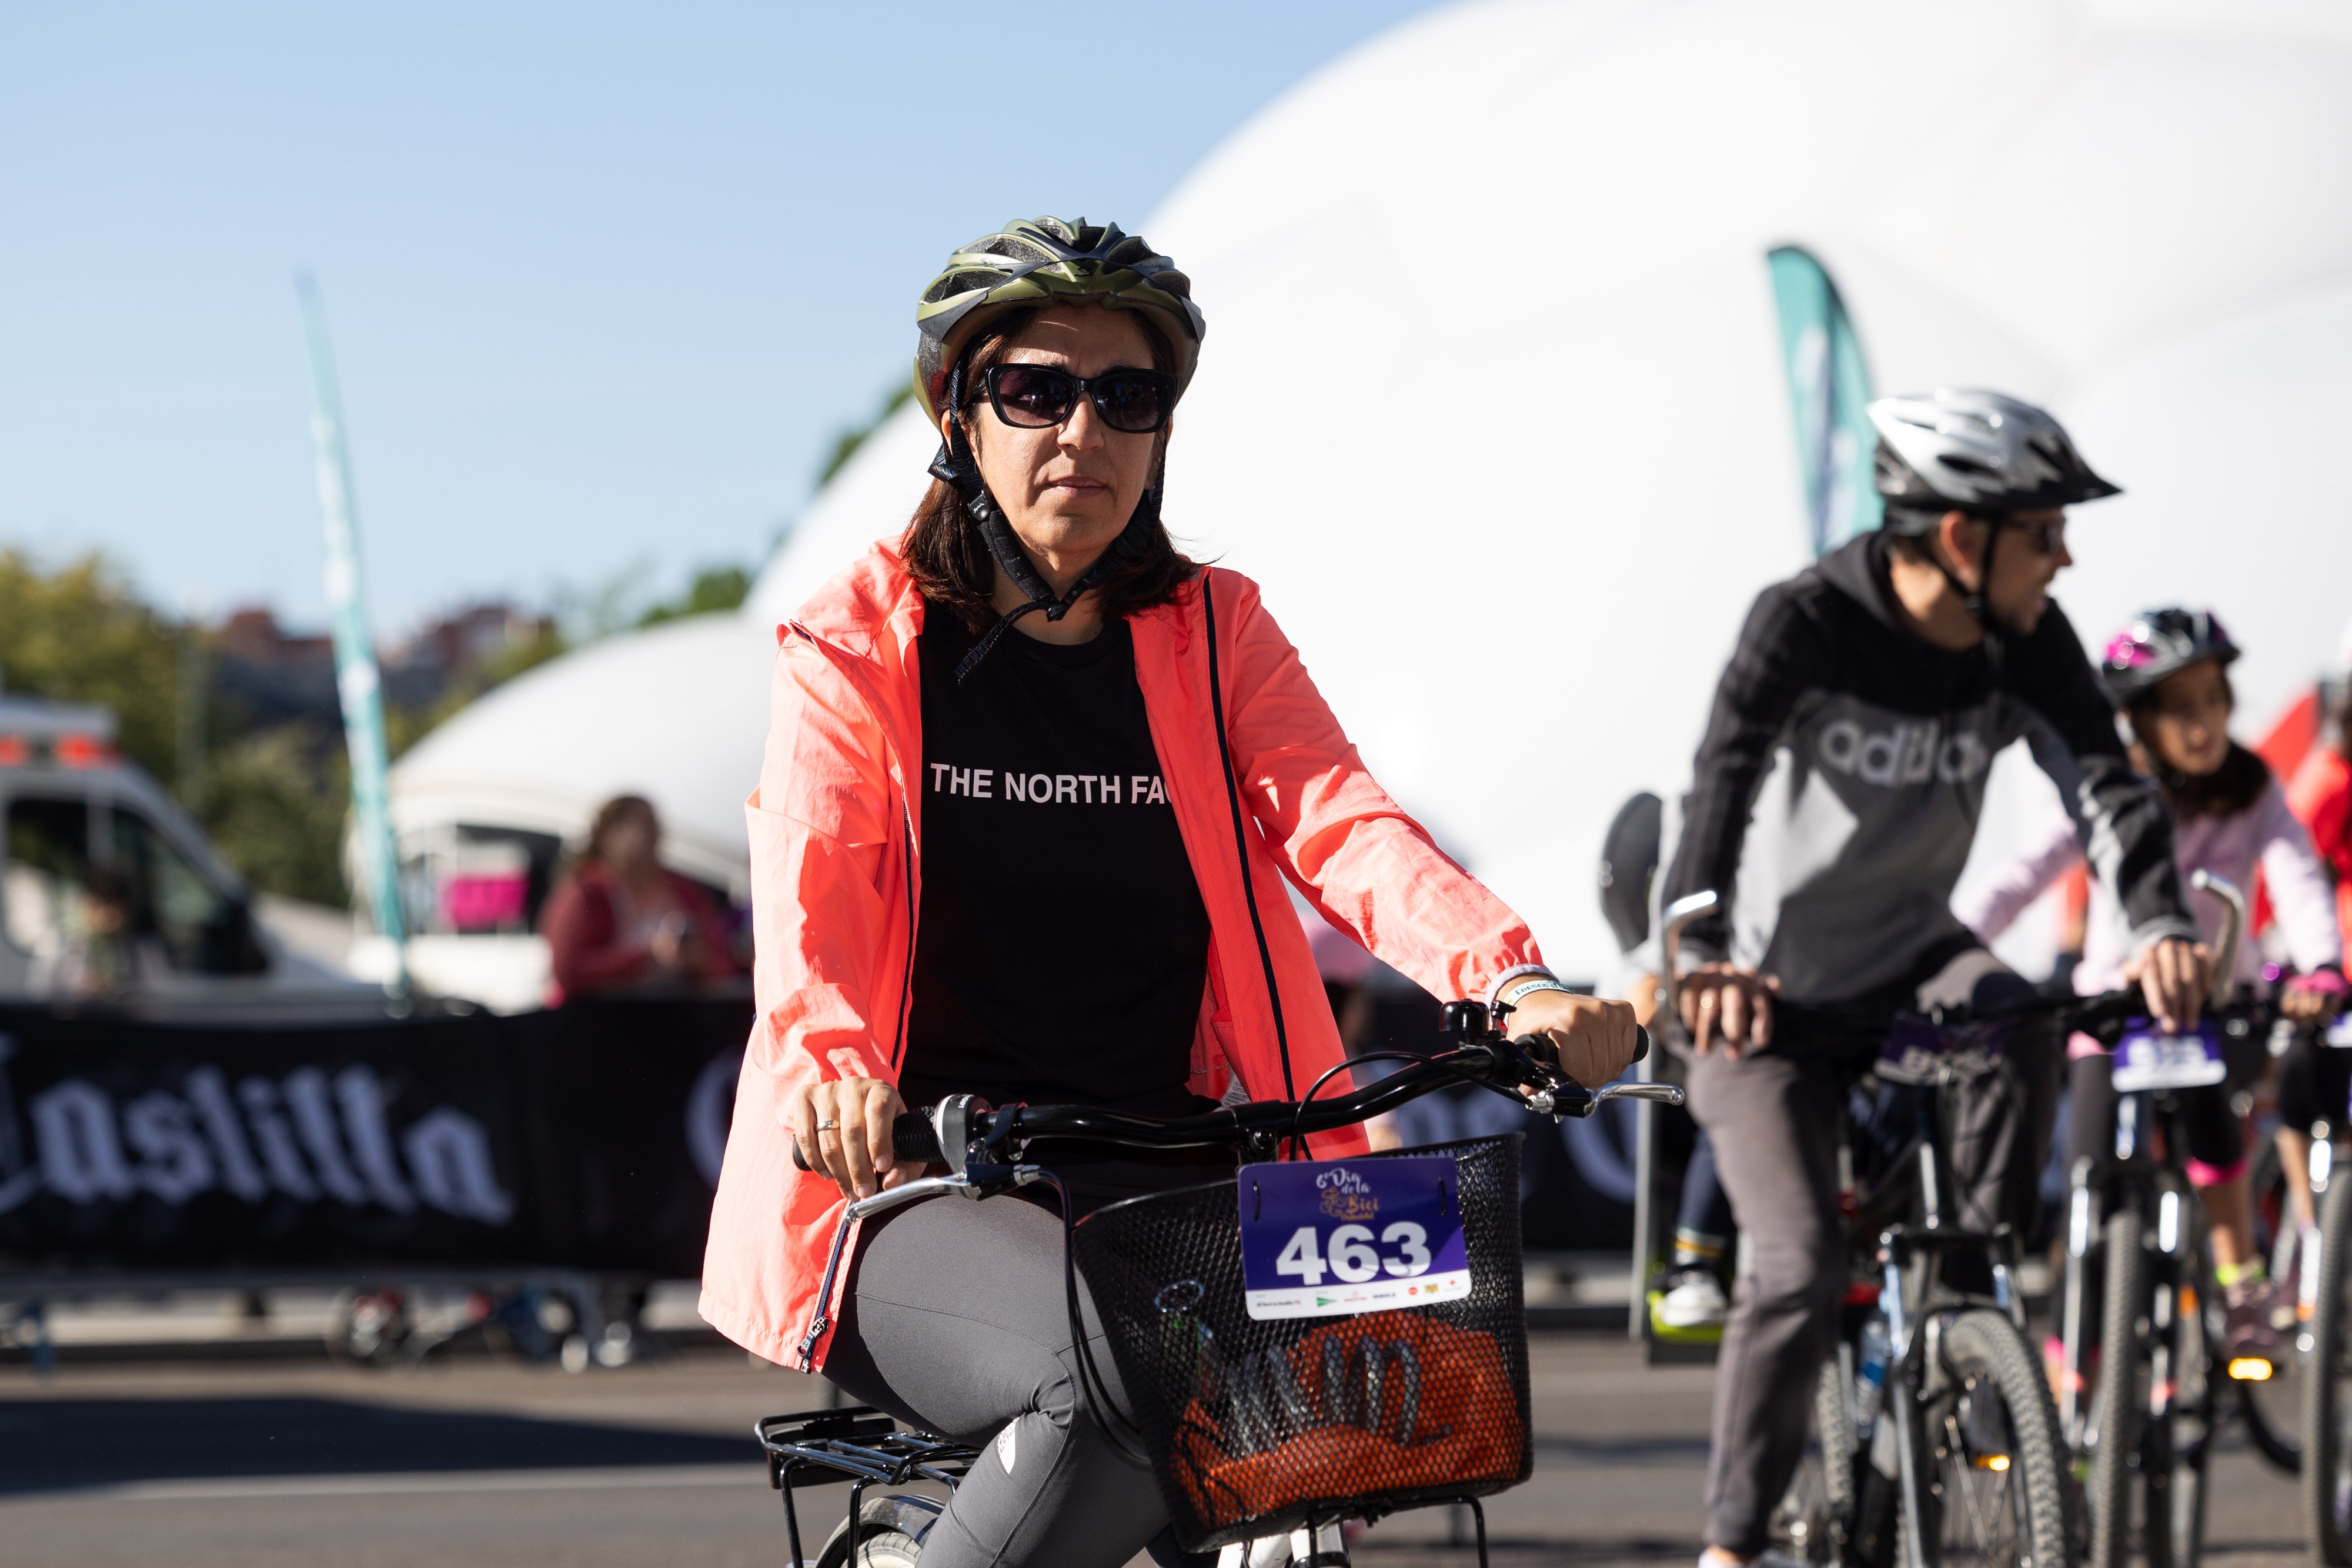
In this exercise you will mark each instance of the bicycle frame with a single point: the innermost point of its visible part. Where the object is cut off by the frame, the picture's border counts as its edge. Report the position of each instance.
(1917, 1302)
(2160, 1188)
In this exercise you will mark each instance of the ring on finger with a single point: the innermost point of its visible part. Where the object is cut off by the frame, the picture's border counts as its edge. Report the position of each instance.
(827, 1124)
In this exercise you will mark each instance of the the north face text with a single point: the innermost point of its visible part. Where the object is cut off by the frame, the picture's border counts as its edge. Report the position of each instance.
(1049, 789)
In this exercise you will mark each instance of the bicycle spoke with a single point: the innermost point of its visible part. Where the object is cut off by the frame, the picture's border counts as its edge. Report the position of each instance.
(1983, 1510)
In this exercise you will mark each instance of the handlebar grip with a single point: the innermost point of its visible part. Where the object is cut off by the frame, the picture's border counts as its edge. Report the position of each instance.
(1539, 1048)
(1542, 1049)
(913, 1140)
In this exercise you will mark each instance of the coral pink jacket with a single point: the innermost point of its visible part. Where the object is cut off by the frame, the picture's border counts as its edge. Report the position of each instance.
(836, 877)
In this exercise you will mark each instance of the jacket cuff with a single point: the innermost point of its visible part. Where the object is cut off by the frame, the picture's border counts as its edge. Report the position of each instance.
(2145, 936)
(1693, 952)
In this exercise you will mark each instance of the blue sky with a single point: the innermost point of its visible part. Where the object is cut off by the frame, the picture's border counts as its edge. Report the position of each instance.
(603, 281)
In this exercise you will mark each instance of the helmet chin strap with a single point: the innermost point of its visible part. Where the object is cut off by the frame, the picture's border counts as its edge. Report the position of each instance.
(955, 465)
(1974, 600)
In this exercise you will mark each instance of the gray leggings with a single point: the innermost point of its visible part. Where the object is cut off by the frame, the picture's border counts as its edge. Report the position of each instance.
(955, 1320)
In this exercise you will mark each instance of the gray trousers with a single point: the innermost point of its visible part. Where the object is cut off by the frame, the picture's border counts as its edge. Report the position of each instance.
(1774, 1123)
(956, 1320)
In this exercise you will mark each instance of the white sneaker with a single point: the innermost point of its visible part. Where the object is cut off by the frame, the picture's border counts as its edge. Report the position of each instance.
(1694, 1299)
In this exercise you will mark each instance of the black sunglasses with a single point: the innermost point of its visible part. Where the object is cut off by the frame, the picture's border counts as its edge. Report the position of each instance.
(1039, 397)
(2047, 538)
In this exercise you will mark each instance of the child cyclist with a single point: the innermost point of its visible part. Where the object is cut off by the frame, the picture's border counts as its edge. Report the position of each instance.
(2314, 1079)
(2169, 671)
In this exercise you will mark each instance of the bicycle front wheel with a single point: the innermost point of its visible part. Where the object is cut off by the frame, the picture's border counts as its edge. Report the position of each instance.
(1815, 1519)
(2187, 1444)
(1992, 1437)
(2328, 1389)
(2122, 1400)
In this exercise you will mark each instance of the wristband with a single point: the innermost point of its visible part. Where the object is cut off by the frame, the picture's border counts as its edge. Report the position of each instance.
(1529, 988)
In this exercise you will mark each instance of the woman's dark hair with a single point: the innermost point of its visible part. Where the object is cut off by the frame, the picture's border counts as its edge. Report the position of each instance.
(611, 815)
(950, 561)
(2230, 789)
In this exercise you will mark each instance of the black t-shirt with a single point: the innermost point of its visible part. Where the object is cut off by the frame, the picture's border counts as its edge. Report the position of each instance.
(1062, 946)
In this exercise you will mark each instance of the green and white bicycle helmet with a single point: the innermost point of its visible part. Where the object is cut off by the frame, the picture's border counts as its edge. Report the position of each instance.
(1043, 262)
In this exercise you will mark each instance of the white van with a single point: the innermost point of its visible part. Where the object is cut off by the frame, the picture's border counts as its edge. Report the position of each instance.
(110, 896)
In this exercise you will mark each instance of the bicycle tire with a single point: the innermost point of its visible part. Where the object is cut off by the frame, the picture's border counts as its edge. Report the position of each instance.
(2190, 1438)
(2326, 1398)
(890, 1532)
(1815, 1517)
(2272, 1409)
(1985, 1354)
(2280, 1446)
(2118, 1406)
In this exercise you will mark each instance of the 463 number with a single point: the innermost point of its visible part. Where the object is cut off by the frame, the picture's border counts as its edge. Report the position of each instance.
(1352, 1257)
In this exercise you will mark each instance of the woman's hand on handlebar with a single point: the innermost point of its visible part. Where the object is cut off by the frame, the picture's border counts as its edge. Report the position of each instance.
(1595, 1039)
(854, 1151)
(1722, 1002)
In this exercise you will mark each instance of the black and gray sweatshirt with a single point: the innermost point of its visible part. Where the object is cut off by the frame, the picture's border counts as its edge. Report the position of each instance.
(1838, 788)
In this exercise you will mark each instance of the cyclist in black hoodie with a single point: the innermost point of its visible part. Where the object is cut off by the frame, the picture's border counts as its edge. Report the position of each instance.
(1835, 799)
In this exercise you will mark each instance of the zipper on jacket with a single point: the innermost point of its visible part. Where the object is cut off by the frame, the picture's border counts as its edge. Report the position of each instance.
(820, 1319)
(1241, 845)
(907, 975)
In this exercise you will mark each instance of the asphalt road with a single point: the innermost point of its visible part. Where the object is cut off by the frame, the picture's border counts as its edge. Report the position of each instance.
(478, 1463)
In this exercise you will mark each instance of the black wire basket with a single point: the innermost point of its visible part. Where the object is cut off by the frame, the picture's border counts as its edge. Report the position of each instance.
(1255, 1427)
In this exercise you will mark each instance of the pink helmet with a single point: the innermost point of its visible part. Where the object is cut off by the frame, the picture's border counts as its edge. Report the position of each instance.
(2162, 643)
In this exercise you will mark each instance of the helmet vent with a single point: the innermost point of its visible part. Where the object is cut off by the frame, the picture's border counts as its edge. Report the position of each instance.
(955, 283)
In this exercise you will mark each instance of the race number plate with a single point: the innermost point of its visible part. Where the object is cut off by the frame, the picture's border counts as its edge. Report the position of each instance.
(1329, 1238)
(2146, 1060)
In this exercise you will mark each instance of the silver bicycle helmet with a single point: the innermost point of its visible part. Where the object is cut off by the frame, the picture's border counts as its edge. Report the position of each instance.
(1976, 451)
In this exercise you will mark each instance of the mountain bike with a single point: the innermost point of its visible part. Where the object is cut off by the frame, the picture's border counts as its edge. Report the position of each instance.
(2133, 1224)
(1935, 1440)
(1265, 1431)
(2325, 1341)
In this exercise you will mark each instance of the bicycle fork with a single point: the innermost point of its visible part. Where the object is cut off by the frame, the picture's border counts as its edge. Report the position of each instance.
(1901, 1401)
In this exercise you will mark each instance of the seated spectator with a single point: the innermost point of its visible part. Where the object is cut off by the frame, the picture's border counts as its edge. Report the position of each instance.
(621, 922)
(103, 957)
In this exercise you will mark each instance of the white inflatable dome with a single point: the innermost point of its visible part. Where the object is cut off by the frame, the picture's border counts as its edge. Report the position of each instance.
(676, 713)
(1491, 400)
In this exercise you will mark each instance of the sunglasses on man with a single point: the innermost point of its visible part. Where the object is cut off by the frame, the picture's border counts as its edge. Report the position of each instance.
(2048, 538)
(1039, 397)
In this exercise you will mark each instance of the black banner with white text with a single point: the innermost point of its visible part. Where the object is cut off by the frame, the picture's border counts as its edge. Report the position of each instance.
(584, 1137)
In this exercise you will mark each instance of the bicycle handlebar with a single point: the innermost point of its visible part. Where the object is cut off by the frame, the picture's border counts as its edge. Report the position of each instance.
(1517, 1067)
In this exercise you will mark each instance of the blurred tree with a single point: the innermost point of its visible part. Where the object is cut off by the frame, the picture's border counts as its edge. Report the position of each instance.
(272, 793)
(81, 635)
(713, 587)
(274, 807)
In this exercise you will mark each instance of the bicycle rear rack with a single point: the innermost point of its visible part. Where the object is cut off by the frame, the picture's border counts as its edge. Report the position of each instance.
(856, 1444)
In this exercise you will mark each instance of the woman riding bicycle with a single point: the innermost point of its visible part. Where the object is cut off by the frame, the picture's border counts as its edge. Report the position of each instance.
(2167, 671)
(1033, 781)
